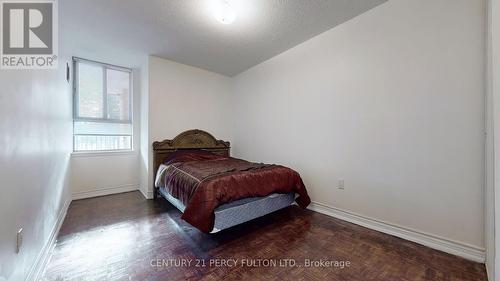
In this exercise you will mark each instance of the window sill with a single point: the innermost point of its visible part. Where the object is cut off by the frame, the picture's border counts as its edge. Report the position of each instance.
(102, 153)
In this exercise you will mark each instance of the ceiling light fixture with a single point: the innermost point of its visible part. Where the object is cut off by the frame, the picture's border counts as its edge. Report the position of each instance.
(223, 12)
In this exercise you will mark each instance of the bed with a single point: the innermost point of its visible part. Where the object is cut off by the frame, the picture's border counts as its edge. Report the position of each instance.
(195, 173)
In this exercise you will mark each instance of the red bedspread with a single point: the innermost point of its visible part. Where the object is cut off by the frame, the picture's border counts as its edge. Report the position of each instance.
(203, 181)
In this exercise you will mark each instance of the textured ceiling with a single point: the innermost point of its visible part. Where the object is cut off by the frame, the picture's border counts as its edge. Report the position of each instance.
(186, 31)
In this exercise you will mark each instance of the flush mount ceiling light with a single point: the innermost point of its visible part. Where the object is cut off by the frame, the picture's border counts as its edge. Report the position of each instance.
(223, 12)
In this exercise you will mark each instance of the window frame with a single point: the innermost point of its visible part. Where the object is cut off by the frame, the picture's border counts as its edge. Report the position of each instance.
(104, 119)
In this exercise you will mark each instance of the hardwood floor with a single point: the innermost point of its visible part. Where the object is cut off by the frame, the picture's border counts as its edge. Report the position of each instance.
(125, 237)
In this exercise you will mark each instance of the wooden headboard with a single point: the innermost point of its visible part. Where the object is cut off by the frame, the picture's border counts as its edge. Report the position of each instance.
(192, 139)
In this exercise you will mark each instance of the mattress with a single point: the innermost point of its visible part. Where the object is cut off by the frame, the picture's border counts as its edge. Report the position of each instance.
(240, 211)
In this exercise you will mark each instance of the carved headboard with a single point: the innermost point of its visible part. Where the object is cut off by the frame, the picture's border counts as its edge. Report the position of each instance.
(192, 139)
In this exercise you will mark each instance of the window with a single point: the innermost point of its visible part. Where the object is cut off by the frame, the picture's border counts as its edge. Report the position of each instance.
(102, 107)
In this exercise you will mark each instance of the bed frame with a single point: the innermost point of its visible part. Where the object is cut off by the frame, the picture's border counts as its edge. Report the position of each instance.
(192, 139)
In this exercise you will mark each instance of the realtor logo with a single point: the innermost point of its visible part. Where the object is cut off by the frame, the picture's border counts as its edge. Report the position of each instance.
(29, 35)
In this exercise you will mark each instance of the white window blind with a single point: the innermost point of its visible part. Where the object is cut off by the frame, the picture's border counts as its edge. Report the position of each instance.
(102, 106)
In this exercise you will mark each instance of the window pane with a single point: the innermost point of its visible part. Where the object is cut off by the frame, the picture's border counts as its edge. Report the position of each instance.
(102, 136)
(90, 143)
(101, 128)
(90, 87)
(118, 88)
(106, 98)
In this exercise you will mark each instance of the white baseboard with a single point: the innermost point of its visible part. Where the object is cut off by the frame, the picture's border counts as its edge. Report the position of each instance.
(37, 270)
(146, 194)
(490, 273)
(104, 191)
(452, 247)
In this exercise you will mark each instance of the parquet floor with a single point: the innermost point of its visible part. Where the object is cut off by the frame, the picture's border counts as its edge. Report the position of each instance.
(125, 237)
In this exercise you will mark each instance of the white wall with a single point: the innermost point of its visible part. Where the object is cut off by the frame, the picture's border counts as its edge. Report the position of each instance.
(492, 189)
(145, 156)
(182, 97)
(35, 142)
(490, 151)
(101, 174)
(392, 102)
